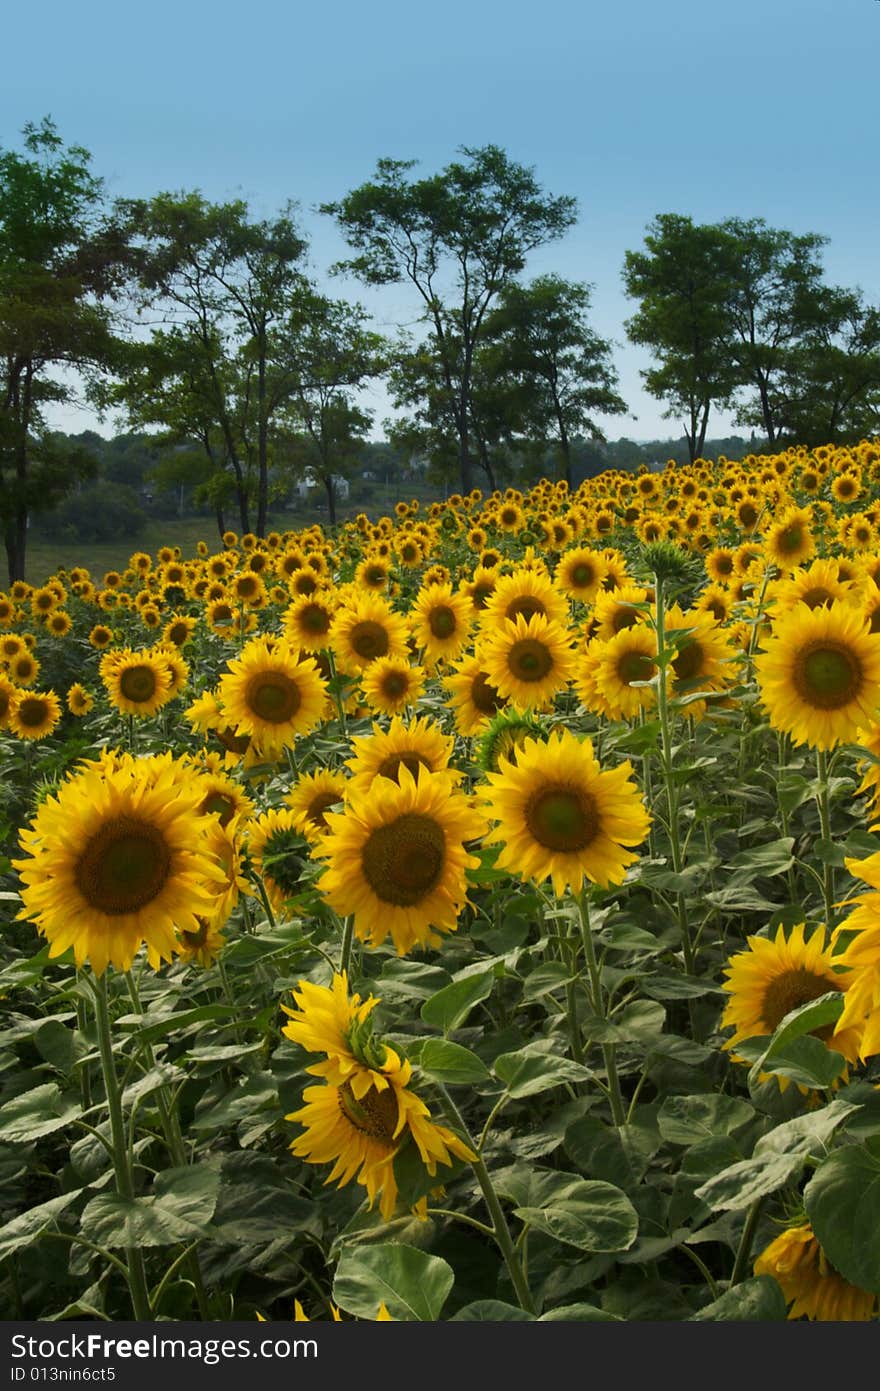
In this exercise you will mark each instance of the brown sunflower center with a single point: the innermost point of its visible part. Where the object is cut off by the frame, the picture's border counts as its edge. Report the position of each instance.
(369, 640)
(197, 939)
(178, 633)
(484, 695)
(403, 861)
(789, 990)
(827, 675)
(562, 818)
(789, 540)
(374, 1114)
(273, 697)
(32, 712)
(816, 597)
(390, 767)
(527, 605)
(138, 684)
(748, 514)
(124, 866)
(529, 660)
(314, 618)
(635, 666)
(625, 616)
(319, 804)
(442, 621)
(395, 684)
(582, 575)
(688, 663)
(376, 576)
(219, 804)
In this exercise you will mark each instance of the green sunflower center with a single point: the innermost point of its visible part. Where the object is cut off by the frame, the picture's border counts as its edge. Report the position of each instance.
(828, 675)
(374, 1114)
(369, 640)
(529, 660)
(789, 990)
(124, 866)
(138, 684)
(282, 860)
(562, 818)
(403, 861)
(273, 697)
(582, 575)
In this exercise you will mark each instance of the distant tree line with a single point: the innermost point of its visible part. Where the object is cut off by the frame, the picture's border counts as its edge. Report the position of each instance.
(199, 323)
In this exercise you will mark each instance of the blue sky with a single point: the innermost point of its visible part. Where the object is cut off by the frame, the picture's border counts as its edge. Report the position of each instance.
(761, 108)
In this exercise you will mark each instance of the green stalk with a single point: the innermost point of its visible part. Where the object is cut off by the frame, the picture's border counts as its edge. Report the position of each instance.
(666, 764)
(609, 1052)
(824, 805)
(500, 1229)
(744, 1250)
(137, 1277)
(347, 939)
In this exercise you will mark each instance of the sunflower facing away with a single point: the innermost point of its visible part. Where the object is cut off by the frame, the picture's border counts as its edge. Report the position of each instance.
(397, 859)
(271, 695)
(561, 817)
(119, 856)
(365, 1111)
(809, 1283)
(819, 674)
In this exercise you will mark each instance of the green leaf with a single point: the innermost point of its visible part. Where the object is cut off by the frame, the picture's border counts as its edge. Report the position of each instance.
(591, 1215)
(149, 1032)
(762, 862)
(619, 1155)
(37, 1113)
(686, 1120)
(451, 1006)
(179, 1209)
(413, 1285)
(579, 1313)
(491, 1311)
(843, 1204)
(402, 979)
(757, 1300)
(532, 1069)
(27, 1226)
(807, 1061)
(449, 1062)
(253, 1095)
(743, 1183)
(804, 1020)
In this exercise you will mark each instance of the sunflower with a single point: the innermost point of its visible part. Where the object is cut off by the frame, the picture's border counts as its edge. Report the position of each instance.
(809, 1283)
(440, 622)
(373, 573)
(390, 684)
(59, 623)
(119, 856)
(789, 542)
(861, 957)
(308, 620)
(561, 817)
(365, 628)
(23, 668)
(8, 693)
(776, 975)
(329, 1020)
(179, 629)
(622, 607)
(819, 674)
(382, 754)
(396, 859)
(528, 660)
(818, 586)
(34, 714)
(702, 657)
(272, 696)
(473, 698)
(277, 849)
(631, 655)
(524, 593)
(221, 795)
(79, 700)
(312, 795)
(137, 683)
(580, 573)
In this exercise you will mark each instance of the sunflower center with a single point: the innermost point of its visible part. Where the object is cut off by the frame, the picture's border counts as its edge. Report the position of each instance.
(282, 860)
(197, 939)
(484, 695)
(790, 539)
(442, 622)
(390, 767)
(480, 593)
(138, 684)
(529, 660)
(827, 675)
(124, 866)
(315, 619)
(788, 991)
(32, 711)
(219, 804)
(374, 1114)
(635, 666)
(369, 640)
(273, 697)
(403, 861)
(748, 514)
(395, 684)
(178, 633)
(527, 605)
(815, 598)
(688, 663)
(624, 617)
(563, 819)
(582, 575)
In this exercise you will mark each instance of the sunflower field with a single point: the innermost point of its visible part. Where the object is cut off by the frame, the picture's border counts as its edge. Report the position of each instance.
(469, 914)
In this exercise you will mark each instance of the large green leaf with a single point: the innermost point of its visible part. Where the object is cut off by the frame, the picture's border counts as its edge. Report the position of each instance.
(591, 1215)
(533, 1069)
(412, 1284)
(28, 1225)
(449, 1062)
(757, 1299)
(843, 1204)
(451, 1006)
(686, 1120)
(37, 1113)
(179, 1209)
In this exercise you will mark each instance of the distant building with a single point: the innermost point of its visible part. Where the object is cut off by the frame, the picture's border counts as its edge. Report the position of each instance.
(310, 481)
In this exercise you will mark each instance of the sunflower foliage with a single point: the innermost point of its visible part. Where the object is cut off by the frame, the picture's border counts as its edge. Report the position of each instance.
(480, 902)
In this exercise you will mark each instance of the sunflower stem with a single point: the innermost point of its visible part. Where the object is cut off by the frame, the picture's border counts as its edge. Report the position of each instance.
(347, 940)
(609, 1052)
(137, 1277)
(500, 1229)
(824, 805)
(744, 1250)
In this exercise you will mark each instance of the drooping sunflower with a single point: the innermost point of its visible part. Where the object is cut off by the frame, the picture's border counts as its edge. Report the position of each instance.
(7, 696)
(776, 975)
(364, 628)
(472, 696)
(809, 1282)
(271, 695)
(382, 754)
(561, 817)
(117, 857)
(819, 674)
(312, 795)
(33, 714)
(441, 620)
(390, 684)
(528, 660)
(396, 859)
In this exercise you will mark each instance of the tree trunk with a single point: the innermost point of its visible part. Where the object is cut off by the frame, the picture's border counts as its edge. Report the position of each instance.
(262, 443)
(221, 524)
(465, 463)
(331, 497)
(565, 451)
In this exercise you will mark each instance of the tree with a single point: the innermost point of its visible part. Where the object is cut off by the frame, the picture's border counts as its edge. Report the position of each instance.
(829, 390)
(554, 370)
(224, 283)
(62, 261)
(325, 352)
(682, 281)
(459, 237)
